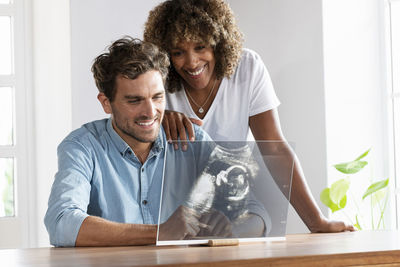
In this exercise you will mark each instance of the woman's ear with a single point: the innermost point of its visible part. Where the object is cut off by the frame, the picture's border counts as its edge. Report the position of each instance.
(105, 102)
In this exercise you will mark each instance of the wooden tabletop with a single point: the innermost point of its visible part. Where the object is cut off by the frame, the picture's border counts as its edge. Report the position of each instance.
(380, 248)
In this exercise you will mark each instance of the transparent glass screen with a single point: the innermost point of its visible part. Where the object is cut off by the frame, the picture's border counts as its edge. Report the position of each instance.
(217, 190)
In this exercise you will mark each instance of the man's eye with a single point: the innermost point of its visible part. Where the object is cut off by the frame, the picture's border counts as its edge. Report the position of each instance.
(158, 97)
(200, 47)
(133, 101)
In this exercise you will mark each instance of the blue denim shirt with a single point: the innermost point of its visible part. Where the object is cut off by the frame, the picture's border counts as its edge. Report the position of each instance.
(99, 174)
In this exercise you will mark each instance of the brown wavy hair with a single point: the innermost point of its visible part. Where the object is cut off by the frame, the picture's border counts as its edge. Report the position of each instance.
(128, 57)
(206, 21)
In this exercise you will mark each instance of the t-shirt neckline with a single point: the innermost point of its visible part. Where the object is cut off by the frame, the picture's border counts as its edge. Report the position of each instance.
(213, 104)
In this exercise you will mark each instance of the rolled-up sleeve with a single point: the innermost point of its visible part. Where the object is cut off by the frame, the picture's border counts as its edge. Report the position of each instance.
(70, 194)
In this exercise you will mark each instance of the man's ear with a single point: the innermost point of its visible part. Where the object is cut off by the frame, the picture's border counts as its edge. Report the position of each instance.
(105, 102)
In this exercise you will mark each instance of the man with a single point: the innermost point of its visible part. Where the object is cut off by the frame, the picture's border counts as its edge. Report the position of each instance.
(108, 186)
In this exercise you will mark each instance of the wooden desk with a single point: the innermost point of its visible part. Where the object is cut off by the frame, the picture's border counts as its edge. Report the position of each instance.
(356, 249)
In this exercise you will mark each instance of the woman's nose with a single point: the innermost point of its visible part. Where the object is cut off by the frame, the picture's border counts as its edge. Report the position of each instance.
(192, 60)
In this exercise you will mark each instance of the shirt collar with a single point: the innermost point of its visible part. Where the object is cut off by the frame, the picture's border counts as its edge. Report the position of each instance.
(123, 147)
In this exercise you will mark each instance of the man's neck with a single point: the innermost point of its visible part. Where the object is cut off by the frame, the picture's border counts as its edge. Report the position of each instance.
(141, 149)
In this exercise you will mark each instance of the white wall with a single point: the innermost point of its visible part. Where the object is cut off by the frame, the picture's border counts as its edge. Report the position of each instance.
(52, 97)
(95, 24)
(288, 36)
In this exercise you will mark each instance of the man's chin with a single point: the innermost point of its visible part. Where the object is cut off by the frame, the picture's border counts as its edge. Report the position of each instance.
(149, 137)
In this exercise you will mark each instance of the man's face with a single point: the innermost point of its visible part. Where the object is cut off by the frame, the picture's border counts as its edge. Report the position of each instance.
(138, 107)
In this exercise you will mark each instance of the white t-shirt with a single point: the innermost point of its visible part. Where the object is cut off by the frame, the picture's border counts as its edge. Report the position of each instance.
(248, 92)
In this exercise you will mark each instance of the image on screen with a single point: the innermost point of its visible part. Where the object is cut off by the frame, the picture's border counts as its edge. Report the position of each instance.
(225, 190)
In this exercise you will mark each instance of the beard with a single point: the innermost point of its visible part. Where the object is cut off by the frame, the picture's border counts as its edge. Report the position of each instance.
(129, 128)
(141, 136)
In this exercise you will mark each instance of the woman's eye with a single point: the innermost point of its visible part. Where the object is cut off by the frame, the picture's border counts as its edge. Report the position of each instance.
(176, 53)
(200, 47)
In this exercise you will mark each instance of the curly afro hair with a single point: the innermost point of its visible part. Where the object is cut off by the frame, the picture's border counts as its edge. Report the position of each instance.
(206, 21)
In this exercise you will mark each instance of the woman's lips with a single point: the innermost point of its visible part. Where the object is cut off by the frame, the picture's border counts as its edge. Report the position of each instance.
(197, 73)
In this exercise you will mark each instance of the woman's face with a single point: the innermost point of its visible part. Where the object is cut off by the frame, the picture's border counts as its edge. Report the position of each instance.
(195, 63)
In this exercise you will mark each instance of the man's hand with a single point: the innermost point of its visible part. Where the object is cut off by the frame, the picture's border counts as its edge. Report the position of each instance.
(175, 125)
(183, 224)
(215, 223)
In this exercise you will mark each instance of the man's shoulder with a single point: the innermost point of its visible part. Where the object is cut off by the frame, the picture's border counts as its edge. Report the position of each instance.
(200, 134)
(88, 132)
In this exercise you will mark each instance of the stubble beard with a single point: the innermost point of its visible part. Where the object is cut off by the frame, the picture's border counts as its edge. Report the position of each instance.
(129, 130)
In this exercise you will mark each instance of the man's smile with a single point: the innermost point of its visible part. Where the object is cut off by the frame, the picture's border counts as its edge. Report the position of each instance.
(146, 123)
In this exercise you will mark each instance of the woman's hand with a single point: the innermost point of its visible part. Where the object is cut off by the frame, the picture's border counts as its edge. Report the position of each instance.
(330, 226)
(175, 126)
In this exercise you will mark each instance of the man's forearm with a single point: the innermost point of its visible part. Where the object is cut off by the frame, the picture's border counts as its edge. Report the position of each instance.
(96, 231)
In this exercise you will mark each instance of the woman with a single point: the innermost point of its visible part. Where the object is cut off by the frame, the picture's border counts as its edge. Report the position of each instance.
(221, 86)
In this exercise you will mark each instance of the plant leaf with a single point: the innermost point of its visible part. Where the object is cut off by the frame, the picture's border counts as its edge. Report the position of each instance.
(377, 197)
(363, 155)
(338, 191)
(350, 167)
(326, 199)
(343, 202)
(357, 225)
(375, 187)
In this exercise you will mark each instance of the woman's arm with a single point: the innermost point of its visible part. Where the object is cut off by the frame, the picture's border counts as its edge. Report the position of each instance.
(266, 126)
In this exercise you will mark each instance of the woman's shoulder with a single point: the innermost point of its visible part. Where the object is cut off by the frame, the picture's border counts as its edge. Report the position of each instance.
(249, 55)
(249, 62)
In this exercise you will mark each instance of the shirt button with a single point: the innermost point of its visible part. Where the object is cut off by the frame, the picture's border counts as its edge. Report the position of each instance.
(142, 169)
(129, 152)
(144, 202)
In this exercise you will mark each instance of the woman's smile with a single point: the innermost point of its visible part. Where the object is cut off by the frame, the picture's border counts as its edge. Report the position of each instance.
(195, 63)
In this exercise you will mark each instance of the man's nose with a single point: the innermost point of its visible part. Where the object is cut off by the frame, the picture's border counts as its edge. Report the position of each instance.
(149, 109)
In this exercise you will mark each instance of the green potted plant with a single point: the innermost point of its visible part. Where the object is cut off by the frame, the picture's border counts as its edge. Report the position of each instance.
(336, 196)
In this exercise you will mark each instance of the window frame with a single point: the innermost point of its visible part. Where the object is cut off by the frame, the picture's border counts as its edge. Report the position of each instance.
(19, 230)
(392, 95)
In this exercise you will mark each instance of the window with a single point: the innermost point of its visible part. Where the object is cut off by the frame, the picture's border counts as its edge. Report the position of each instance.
(7, 87)
(394, 32)
(14, 122)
